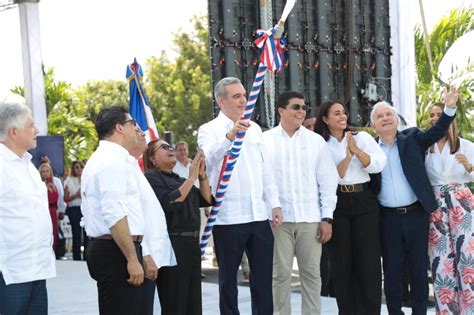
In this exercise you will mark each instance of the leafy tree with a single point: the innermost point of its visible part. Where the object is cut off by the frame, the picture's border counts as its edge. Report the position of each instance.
(180, 91)
(95, 95)
(55, 91)
(444, 34)
(67, 118)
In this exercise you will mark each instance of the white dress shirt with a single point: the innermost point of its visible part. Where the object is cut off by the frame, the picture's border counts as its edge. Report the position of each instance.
(59, 186)
(156, 239)
(443, 168)
(304, 173)
(245, 198)
(356, 173)
(74, 185)
(26, 231)
(183, 171)
(110, 191)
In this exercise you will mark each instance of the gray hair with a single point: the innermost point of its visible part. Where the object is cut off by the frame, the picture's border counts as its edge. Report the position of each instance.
(219, 89)
(379, 105)
(12, 115)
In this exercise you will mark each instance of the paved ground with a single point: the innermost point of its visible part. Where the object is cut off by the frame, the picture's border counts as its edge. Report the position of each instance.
(74, 292)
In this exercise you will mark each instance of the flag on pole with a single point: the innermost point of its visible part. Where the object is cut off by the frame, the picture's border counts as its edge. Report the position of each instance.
(139, 107)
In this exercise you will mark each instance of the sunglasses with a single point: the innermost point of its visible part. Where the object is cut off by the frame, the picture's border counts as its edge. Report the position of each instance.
(297, 107)
(166, 147)
(132, 121)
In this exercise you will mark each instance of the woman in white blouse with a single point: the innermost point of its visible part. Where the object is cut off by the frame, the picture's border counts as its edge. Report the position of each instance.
(451, 241)
(355, 245)
(72, 195)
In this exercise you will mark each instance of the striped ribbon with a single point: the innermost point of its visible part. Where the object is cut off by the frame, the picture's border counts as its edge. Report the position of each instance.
(271, 58)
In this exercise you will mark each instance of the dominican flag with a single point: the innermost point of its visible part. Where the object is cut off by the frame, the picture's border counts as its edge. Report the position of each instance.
(139, 107)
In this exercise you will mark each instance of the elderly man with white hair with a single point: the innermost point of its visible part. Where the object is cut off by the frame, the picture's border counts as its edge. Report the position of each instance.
(406, 199)
(26, 238)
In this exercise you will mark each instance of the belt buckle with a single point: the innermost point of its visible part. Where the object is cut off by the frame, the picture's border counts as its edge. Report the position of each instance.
(402, 210)
(347, 188)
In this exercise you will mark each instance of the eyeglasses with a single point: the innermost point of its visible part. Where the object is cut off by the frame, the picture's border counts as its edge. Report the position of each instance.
(132, 121)
(297, 107)
(166, 147)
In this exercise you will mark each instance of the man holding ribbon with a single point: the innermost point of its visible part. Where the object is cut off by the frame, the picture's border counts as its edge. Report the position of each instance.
(242, 223)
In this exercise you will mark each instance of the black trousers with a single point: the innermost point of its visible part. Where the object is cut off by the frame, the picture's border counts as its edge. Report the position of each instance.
(256, 239)
(75, 215)
(179, 287)
(355, 254)
(405, 235)
(108, 266)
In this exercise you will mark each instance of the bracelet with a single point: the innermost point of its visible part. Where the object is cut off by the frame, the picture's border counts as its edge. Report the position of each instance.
(202, 177)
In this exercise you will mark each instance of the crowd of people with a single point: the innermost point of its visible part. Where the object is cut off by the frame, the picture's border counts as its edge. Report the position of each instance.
(317, 190)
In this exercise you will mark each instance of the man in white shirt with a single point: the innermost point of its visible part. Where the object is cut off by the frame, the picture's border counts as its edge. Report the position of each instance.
(307, 179)
(242, 223)
(182, 155)
(113, 215)
(26, 253)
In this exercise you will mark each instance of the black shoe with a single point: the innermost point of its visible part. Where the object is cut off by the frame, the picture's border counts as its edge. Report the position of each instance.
(431, 303)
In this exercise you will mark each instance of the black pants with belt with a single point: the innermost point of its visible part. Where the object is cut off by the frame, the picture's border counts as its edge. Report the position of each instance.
(108, 266)
(179, 287)
(355, 253)
(405, 234)
(256, 238)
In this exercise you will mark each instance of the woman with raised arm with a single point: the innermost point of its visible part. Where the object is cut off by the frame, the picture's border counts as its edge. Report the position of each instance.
(179, 287)
(451, 238)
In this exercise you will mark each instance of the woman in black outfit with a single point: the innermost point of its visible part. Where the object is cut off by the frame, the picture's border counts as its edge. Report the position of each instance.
(179, 287)
(354, 248)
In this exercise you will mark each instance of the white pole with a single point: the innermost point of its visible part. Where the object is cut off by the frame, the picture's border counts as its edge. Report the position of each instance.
(402, 41)
(32, 62)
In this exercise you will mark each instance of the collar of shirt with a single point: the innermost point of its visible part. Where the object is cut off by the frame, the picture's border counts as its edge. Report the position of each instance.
(116, 149)
(283, 132)
(224, 121)
(381, 143)
(9, 155)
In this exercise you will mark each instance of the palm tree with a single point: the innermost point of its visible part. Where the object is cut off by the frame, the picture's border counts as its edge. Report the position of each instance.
(429, 85)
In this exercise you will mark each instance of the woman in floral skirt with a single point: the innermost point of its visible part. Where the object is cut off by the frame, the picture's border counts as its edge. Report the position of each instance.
(451, 240)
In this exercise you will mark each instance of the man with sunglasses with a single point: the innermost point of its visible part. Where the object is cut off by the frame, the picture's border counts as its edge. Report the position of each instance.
(113, 216)
(242, 223)
(307, 179)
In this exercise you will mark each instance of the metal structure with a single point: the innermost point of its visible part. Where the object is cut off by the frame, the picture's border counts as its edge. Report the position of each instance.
(337, 49)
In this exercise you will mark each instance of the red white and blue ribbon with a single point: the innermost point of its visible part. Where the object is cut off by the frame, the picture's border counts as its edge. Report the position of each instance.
(271, 59)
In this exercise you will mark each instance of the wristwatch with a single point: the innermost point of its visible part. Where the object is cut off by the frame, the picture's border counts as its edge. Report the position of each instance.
(328, 220)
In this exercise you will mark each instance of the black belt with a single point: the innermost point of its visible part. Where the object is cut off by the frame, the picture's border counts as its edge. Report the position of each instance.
(403, 210)
(135, 238)
(194, 234)
(352, 188)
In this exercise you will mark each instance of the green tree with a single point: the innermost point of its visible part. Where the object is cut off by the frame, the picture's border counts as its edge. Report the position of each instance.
(429, 86)
(180, 91)
(67, 118)
(95, 95)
